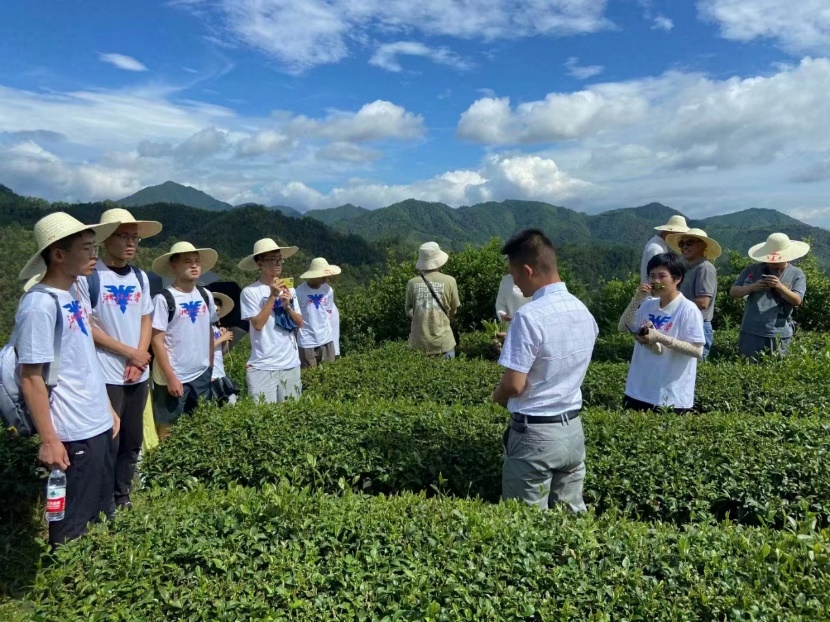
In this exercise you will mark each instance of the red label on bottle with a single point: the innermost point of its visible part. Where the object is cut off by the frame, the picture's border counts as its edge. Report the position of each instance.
(56, 505)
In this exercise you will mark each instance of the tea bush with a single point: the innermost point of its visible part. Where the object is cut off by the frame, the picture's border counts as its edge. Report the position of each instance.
(669, 468)
(281, 554)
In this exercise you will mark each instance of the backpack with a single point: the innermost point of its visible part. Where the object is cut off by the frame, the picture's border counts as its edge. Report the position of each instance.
(93, 283)
(13, 410)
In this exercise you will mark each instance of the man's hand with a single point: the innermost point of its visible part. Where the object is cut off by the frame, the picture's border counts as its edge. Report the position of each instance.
(116, 423)
(277, 287)
(643, 291)
(498, 341)
(771, 281)
(139, 358)
(132, 373)
(174, 387)
(285, 296)
(53, 455)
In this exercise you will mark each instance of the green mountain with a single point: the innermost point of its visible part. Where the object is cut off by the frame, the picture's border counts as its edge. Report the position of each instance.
(171, 192)
(753, 217)
(336, 214)
(287, 211)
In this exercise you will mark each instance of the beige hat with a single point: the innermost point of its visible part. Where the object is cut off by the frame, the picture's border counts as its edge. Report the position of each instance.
(265, 245)
(713, 249)
(207, 256)
(146, 228)
(56, 227)
(676, 224)
(779, 248)
(431, 257)
(227, 304)
(32, 282)
(320, 268)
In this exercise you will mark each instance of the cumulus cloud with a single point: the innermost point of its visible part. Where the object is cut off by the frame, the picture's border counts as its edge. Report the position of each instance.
(801, 27)
(386, 56)
(127, 63)
(661, 22)
(375, 121)
(582, 72)
(305, 34)
(261, 143)
(347, 152)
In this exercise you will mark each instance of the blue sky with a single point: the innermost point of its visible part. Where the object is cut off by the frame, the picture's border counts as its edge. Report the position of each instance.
(708, 106)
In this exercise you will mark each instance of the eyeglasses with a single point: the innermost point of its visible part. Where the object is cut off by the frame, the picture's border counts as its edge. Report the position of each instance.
(685, 243)
(278, 261)
(126, 237)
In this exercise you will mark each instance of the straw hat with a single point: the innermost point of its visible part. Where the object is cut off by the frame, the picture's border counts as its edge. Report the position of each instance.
(56, 227)
(676, 224)
(146, 228)
(265, 245)
(227, 304)
(713, 249)
(32, 282)
(779, 248)
(431, 257)
(320, 268)
(207, 257)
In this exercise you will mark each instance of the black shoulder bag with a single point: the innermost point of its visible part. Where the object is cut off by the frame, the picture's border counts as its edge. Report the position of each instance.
(453, 327)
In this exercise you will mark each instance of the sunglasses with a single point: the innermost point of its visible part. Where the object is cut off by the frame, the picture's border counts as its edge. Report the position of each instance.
(686, 243)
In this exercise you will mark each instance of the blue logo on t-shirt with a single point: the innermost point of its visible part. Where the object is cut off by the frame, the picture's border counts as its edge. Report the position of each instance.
(121, 294)
(75, 309)
(192, 309)
(660, 321)
(315, 299)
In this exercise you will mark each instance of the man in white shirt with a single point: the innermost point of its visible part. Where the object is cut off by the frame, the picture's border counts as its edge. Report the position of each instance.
(545, 355)
(658, 245)
(75, 421)
(183, 319)
(509, 299)
(316, 299)
(118, 296)
(273, 373)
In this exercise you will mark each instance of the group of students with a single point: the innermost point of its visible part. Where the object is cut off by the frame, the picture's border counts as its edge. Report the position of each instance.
(93, 322)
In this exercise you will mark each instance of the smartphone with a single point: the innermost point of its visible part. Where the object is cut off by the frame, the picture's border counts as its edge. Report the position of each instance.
(288, 281)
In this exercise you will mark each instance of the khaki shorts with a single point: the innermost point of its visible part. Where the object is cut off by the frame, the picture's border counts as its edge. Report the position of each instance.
(312, 357)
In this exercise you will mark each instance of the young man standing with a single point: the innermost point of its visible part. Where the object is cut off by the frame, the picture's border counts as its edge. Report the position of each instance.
(657, 244)
(273, 373)
(182, 334)
(316, 297)
(122, 316)
(545, 355)
(75, 422)
(432, 302)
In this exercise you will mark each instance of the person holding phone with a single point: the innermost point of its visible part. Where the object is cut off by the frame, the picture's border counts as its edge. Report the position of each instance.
(773, 288)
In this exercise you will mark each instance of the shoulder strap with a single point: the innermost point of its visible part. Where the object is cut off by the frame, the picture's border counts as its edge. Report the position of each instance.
(93, 284)
(171, 304)
(51, 378)
(203, 293)
(434, 295)
(140, 276)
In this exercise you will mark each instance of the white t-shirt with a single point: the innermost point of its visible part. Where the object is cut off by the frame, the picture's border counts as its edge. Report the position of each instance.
(510, 298)
(273, 348)
(122, 302)
(186, 336)
(315, 305)
(655, 246)
(666, 379)
(218, 357)
(335, 328)
(79, 404)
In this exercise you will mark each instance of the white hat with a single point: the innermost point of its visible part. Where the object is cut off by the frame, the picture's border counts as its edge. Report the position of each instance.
(227, 304)
(778, 248)
(320, 268)
(265, 245)
(713, 249)
(56, 227)
(207, 258)
(146, 228)
(431, 257)
(32, 282)
(676, 224)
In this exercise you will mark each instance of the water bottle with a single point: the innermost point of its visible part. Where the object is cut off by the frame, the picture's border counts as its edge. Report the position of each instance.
(56, 496)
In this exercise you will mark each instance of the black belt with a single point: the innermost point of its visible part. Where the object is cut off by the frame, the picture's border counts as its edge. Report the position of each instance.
(534, 419)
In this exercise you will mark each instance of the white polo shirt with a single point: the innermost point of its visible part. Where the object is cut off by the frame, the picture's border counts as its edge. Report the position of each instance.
(550, 339)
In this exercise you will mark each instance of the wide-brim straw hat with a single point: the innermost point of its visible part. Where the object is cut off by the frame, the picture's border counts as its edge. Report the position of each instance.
(319, 268)
(676, 224)
(431, 257)
(32, 282)
(265, 245)
(227, 304)
(778, 248)
(207, 258)
(56, 227)
(713, 249)
(146, 228)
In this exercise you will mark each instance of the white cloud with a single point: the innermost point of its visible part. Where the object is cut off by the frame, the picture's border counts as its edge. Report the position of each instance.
(347, 152)
(661, 22)
(801, 27)
(386, 56)
(127, 63)
(375, 121)
(301, 35)
(261, 143)
(582, 72)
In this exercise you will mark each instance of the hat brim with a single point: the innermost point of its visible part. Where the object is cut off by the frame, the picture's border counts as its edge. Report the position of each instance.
(321, 274)
(249, 263)
(207, 258)
(146, 228)
(672, 229)
(36, 265)
(227, 304)
(713, 249)
(763, 254)
(433, 263)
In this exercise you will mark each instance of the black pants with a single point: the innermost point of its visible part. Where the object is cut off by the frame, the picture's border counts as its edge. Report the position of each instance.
(629, 403)
(89, 484)
(128, 402)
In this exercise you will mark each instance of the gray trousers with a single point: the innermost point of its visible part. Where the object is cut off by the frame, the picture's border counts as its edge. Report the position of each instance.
(545, 464)
(751, 346)
(274, 386)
